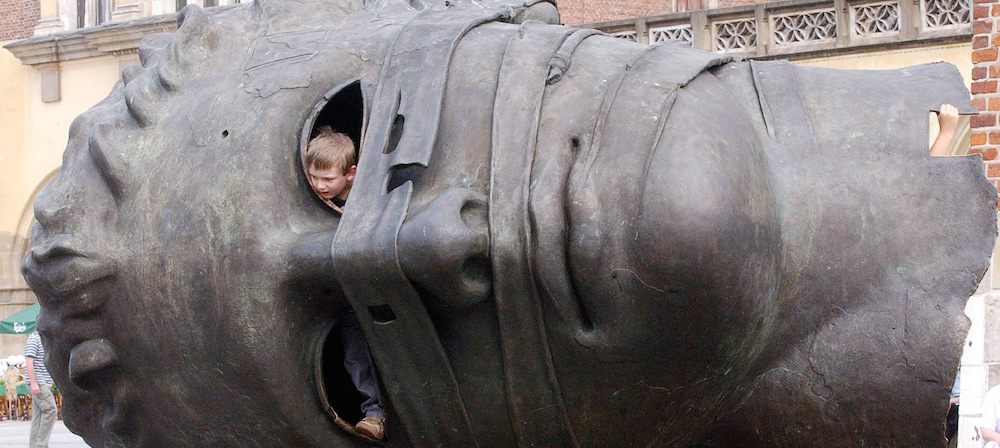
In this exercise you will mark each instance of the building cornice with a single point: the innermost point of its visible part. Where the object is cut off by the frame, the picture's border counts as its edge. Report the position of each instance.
(121, 38)
(111, 39)
(716, 12)
(802, 29)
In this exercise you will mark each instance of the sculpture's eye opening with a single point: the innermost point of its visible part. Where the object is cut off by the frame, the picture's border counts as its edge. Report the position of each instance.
(344, 112)
(341, 111)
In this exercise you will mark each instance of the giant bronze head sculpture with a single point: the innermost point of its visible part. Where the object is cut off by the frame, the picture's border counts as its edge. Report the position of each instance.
(555, 238)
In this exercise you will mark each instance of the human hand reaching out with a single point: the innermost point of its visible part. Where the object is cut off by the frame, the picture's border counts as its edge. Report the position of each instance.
(948, 121)
(948, 118)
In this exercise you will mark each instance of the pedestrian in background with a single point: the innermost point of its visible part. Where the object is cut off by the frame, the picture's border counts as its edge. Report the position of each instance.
(989, 425)
(43, 404)
(11, 377)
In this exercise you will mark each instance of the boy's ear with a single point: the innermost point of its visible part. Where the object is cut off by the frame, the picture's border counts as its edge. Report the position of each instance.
(353, 170)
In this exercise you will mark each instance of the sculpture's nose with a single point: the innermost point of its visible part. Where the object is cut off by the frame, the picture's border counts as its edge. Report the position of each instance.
(445, 248)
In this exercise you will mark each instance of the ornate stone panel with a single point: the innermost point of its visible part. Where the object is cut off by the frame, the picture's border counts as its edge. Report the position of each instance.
(676, 32)
(805, 27)
(627, 35)
(945, 13)
(735, 35)
(875, 19)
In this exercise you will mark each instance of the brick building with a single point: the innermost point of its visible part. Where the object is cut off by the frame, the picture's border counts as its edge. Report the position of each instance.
(985, 140)
(576, 12)
(18, 19)
(985, 75)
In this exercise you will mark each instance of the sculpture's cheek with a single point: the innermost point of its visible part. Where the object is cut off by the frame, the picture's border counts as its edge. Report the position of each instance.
(673, 249)
(707, 246)
(691, 249)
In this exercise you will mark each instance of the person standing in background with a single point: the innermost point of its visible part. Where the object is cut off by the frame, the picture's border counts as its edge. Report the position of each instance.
(10, 379)
(43, 404)
(989, 425)
(951, 421)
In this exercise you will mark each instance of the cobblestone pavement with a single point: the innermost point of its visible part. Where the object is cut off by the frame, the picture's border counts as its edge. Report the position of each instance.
(15, 435)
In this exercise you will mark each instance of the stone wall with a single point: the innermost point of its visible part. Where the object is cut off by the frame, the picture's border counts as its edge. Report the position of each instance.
(980, 364)
(14, 292)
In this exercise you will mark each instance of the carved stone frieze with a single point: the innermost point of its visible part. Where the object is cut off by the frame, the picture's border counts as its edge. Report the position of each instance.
(874, 19)
(735, 35)
(677, 32)
(805, 27)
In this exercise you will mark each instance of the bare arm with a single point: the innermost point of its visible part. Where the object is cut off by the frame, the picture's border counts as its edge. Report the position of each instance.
(989, 435)
(948, 119)
(31, 376)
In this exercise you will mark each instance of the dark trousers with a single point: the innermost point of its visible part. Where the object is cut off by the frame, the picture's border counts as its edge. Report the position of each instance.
(951, 423)
(358, 363)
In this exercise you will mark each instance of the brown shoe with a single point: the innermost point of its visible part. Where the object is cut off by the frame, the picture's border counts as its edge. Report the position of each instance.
(372, 427)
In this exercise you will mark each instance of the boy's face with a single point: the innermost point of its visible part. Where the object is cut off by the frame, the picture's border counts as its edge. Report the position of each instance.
(331, 183)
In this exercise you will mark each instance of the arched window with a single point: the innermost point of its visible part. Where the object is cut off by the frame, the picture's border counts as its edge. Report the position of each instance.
(27, 218)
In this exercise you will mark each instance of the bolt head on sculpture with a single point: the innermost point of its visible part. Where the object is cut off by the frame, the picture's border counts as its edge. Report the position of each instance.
(555, 238)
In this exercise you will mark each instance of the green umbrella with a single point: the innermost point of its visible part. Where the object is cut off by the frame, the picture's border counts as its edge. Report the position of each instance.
(22, 322)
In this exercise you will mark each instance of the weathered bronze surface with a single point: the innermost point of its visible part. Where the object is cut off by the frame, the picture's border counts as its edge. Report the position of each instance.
(555, 238)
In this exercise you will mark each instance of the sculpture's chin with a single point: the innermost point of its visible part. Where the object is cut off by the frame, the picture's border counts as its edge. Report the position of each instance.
(85, 413)
(96, 401)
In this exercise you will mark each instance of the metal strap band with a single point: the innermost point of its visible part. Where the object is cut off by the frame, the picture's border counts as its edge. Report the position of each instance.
(533, 393)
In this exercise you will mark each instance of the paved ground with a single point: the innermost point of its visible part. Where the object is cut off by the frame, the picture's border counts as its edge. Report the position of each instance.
(15, 435)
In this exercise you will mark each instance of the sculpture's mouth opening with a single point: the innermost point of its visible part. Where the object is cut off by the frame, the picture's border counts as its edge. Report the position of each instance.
(337, 391)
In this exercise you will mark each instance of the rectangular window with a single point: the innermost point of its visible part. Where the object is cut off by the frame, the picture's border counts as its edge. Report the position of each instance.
(104, 8)
(81, 13)
(181, 4)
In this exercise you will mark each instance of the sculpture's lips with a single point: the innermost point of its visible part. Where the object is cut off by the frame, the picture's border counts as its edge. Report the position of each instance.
(116, 419)
(59, 269)
(59, 246)
(91, 363)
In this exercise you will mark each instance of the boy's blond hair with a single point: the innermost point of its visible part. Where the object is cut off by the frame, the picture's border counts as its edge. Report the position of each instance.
(330, 149)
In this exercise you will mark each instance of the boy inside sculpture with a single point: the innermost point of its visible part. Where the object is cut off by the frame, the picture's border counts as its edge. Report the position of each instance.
(330, 162)
(330, 168)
